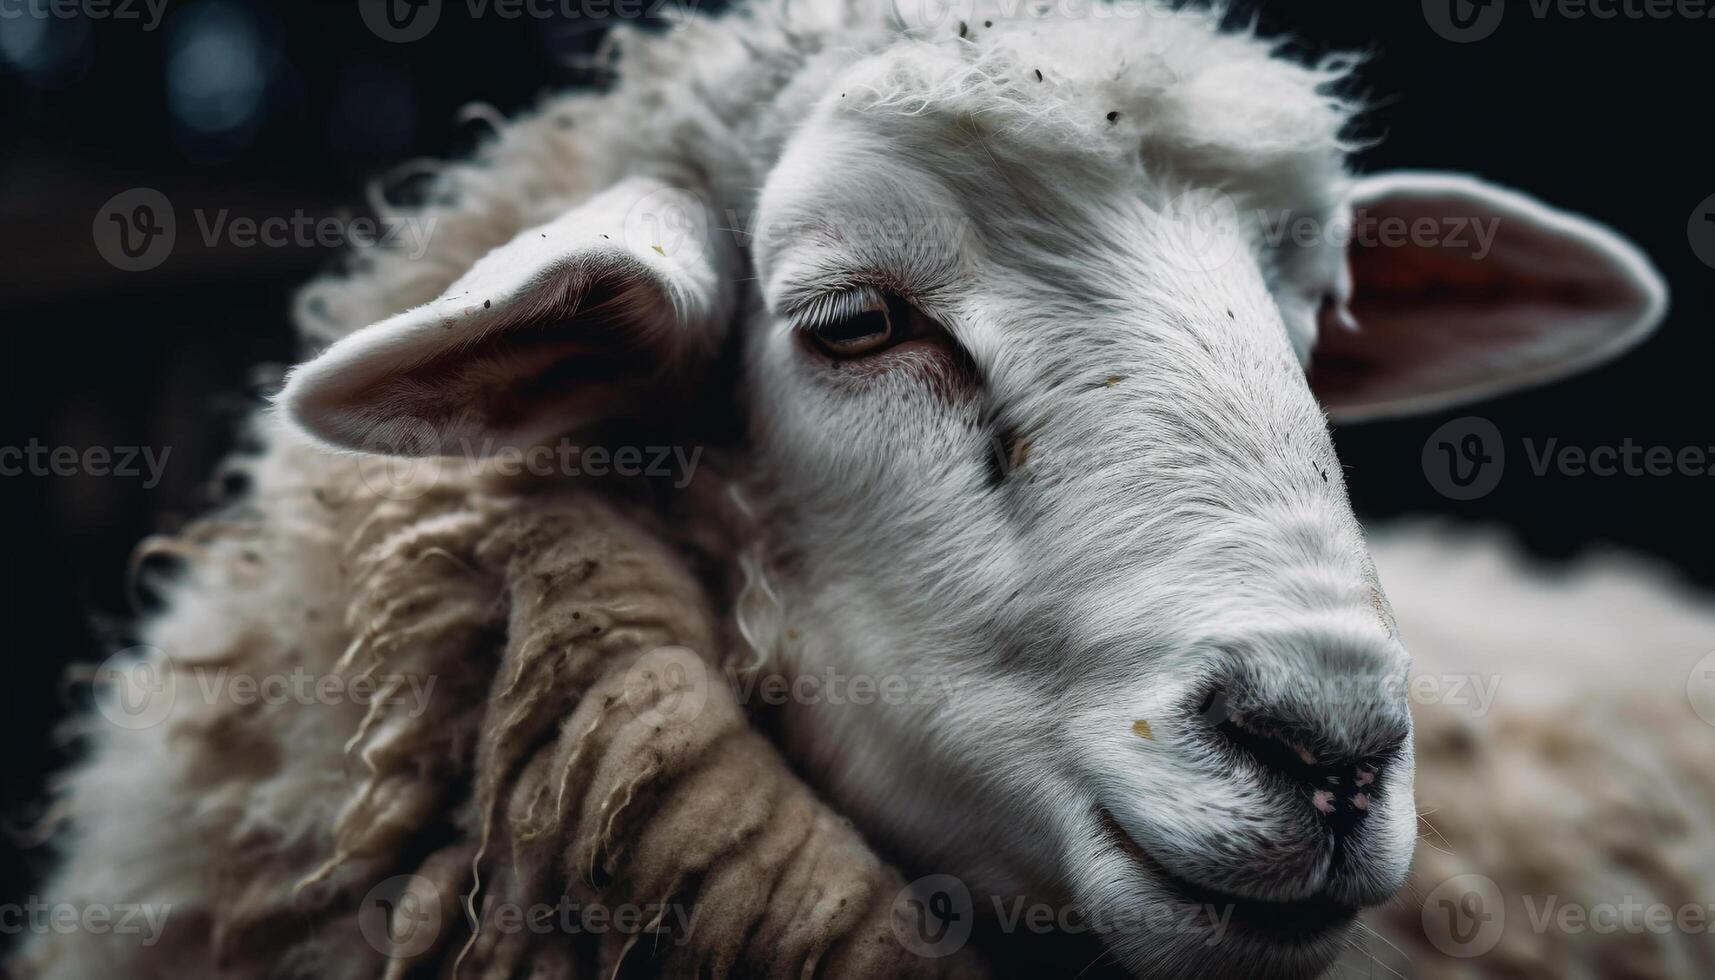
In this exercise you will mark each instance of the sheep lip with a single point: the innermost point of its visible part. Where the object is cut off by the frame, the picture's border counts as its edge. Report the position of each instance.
(1301, 922)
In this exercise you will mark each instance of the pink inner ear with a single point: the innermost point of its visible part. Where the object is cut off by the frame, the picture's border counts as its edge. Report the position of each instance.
(1449, 322)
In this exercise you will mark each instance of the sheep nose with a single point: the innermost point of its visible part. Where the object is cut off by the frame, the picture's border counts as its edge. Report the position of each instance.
(1339, 770)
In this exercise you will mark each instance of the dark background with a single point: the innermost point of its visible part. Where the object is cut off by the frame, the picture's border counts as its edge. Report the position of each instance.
(265, 108)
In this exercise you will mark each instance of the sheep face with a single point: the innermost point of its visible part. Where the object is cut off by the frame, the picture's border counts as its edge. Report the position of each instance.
(1042, 459)
(1034, 389)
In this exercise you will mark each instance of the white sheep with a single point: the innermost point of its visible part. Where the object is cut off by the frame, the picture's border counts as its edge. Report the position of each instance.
(1016, 330)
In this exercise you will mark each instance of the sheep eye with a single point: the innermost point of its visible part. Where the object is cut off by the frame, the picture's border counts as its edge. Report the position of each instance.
(855, 334)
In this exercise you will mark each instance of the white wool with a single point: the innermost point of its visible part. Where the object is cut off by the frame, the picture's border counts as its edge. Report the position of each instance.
(716, 98)
(1559, 758)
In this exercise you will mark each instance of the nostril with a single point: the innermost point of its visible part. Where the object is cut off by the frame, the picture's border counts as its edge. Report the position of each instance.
(1341, 786)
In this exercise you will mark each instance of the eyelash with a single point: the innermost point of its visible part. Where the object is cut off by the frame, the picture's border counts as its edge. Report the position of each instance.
(830, 308)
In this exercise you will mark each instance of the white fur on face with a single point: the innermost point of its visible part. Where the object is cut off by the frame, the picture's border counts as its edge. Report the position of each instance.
(1177, 521)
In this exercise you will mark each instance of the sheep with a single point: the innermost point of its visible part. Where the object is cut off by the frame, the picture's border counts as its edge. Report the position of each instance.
(1017, 390)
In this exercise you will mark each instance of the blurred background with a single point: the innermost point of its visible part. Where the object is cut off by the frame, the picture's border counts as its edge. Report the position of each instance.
(285, 110)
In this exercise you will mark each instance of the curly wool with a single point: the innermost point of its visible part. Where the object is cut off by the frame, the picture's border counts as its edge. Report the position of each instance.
(537, 774)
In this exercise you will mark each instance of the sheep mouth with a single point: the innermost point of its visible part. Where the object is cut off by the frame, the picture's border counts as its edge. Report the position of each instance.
(1298, 923)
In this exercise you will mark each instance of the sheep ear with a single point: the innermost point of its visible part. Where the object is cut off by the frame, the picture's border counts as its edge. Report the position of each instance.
(610, 308)
(1458, 290)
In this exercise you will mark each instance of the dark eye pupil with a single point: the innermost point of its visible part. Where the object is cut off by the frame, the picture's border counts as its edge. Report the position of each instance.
(869, 323)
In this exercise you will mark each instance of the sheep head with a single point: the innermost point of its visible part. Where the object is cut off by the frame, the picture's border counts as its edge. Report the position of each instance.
(1032, 329)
